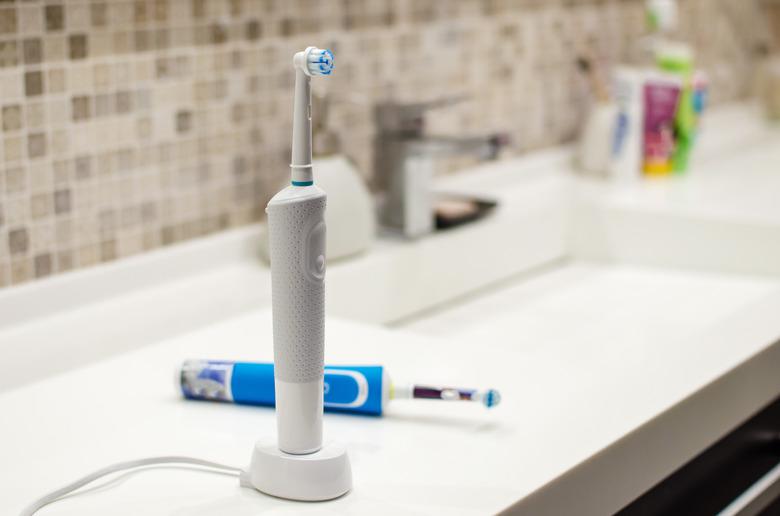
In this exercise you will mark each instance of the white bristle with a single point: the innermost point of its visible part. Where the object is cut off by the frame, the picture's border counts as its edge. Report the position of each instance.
(319, 61)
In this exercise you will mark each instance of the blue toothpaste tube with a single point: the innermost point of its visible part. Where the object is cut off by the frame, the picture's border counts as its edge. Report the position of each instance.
(355, 389)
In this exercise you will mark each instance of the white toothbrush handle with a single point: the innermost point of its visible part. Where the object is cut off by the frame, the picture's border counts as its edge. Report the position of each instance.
(296, 227)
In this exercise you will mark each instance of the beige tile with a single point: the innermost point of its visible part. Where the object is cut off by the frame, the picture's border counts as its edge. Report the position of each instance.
(21, 270)
(5, 274)
(56, 80)
(35, 115)
(54, 48)
(13, 148)
(15, 179)
(41, 206)
(119, 118)
(30, 19)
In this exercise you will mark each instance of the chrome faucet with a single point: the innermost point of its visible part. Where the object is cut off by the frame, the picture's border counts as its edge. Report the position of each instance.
(405, 158)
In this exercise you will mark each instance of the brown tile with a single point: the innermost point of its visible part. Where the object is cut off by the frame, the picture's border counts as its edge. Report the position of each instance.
(140, 12)
(97, 14)
(83, 167)
(161, 39)
(62, 201)
(286, 27)
(219, 34)
(36, 145)
(253, 30)
(78, 46)
(12, 117)
(81, 108)
(18, 241)
(43, 265)
(33, 83)
(32, 51)
(160, 10)
(55, 17)
(124, 102)
(198, 8)
(8, 21)
(183, 121)
(9, 53)
(167, 235)
(142, 40)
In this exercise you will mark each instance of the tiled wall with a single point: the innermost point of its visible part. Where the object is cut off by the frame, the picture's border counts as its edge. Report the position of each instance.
(130, 125)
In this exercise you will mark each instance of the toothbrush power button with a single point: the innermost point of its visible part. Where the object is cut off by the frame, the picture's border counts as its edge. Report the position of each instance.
(314, 254)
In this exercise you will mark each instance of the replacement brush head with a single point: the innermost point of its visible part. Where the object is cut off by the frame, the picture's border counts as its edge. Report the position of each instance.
(314, 61)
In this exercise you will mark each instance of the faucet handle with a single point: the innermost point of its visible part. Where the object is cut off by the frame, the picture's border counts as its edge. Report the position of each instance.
(409, 118)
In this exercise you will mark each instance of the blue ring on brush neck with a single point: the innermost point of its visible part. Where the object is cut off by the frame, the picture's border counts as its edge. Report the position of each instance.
(302, 183)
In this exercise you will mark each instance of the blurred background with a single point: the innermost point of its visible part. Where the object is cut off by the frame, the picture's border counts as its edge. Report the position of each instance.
(128, 126)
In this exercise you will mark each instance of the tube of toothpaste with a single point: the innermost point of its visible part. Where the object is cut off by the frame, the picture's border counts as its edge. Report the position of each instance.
(661, 95)
(359, 389)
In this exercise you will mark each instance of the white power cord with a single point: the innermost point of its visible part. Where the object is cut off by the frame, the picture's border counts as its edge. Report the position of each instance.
(121, 466)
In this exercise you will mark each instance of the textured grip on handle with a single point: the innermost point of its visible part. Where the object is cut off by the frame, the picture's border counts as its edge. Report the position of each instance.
(297, 250)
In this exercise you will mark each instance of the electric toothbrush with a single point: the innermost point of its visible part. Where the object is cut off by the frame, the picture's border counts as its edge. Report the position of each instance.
(356, 389)
(298, 466)
(296, 229)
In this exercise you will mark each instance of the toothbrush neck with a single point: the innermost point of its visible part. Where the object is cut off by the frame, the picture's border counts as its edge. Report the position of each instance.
(301, 142)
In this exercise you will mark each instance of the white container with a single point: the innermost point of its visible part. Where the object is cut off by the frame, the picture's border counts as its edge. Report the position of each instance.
(626, 146)
(595, 147)
(350, 217)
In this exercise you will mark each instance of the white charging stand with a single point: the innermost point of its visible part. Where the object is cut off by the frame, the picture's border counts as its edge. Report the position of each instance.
(322, 475)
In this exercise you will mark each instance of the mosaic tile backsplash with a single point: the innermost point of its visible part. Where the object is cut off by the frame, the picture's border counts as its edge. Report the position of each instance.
(130, 125)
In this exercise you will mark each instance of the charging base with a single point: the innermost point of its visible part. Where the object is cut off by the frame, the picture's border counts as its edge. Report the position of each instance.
(318, 476)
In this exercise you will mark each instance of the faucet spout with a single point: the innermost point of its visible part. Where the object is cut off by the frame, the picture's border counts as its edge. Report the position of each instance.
(405, 161)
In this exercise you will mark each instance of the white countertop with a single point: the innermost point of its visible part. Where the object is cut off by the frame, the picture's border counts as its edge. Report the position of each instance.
(574, 381)
(608, 370)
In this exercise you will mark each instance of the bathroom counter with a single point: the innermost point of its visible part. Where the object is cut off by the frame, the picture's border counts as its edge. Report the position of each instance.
(602, 395)
(590, 411)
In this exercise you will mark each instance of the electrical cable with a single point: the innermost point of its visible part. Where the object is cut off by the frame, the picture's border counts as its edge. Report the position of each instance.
(121, 466)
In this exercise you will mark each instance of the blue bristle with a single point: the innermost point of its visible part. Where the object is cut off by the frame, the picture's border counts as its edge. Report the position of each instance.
(492, 398)
(320, 62)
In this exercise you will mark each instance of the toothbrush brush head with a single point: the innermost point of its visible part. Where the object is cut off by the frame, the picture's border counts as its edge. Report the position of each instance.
(314, 61)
